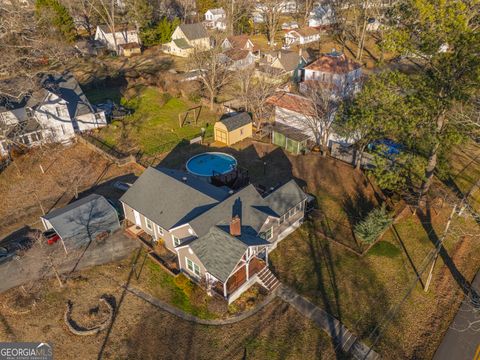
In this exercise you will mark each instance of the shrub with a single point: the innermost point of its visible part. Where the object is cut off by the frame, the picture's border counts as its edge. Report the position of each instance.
(184, 284)
(373, 225)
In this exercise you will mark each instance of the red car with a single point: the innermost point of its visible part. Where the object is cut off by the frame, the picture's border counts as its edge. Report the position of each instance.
(51, 236)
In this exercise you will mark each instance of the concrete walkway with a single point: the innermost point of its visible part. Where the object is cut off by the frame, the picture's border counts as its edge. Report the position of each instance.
(342, 337)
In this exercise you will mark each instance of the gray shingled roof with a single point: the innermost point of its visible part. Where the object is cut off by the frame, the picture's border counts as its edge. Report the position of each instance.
(285, 197)
(194, 31)
(236, 121)
(68, 88)
(220, 252)
(79, 222)
(247, 203)
(162, 196)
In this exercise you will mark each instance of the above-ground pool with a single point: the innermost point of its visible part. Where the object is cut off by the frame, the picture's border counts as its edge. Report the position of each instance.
(211, 163)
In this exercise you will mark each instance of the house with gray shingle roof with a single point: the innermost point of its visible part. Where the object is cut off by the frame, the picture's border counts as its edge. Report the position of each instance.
(220, 238)
(186, 38)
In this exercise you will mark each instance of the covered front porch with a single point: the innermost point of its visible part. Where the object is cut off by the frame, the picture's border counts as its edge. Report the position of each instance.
(240, 280)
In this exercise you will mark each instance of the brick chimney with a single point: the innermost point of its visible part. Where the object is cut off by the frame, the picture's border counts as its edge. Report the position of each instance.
(235, 226)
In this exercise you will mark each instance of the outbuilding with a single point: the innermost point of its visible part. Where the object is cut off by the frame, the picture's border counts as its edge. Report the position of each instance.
(233, 128)
(82, 221)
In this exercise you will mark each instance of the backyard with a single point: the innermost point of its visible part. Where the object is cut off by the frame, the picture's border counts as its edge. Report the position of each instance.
(154, 127)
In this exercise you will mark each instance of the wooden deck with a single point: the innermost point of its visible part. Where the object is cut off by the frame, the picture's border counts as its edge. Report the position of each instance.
(240, 276)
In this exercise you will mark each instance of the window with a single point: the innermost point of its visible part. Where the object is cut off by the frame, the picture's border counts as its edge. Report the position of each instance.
(241, 131)
(149, 224)
(192, 267)
(58, 111)
(160, 230)
(176, 241)
(267, 235)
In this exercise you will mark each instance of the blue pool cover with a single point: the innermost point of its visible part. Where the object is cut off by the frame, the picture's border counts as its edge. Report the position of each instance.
(211, 163)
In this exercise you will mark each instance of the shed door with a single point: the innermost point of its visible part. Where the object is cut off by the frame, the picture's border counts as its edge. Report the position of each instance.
(221, 136)
(278, 139)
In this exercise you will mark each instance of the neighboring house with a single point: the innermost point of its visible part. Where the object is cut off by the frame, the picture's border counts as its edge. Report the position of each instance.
(215, 19)
(301, 36)
(220, 238)
(238, 59)
(233, 128)
(186, 38)
(283, 62)
(373, 24)
(240, 42)
(82, 221)
(290, 25)
(54, 113)
(129, 49)
(284, 7)
(294, 118)
(321, 15)
(333, 70)
(124, 34)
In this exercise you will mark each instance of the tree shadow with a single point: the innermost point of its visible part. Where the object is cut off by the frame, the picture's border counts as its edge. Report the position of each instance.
(425, 217)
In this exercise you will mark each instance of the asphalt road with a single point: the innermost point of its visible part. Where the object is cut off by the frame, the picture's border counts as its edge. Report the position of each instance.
(34, 264)
(462, 340)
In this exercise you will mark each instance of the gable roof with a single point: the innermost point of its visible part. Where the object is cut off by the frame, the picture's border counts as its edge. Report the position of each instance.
(165, 198)
(247, 203)
(285, 197)
(194, 31)
(304, 32)
(67, 87)
(120, 28)
(239, 41)
(292, 102)
(220, 252)
(218, 11)
(236, 54)
(334, 63)
(236, 121)
(80, 221)
(182, 43)
(288, 59)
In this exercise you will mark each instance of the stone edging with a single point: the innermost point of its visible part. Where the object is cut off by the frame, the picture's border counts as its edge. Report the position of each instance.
(78, 330)
(192, 318)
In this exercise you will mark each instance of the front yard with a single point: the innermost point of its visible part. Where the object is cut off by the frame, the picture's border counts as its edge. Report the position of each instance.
(359, 291)
(142, 331)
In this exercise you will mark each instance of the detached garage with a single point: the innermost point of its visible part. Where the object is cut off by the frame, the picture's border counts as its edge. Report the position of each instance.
(82, 221)
(233, 128)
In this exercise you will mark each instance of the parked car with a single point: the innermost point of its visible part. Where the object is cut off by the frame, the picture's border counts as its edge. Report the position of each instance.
(121, 185)
(6, 255)
(51, 236)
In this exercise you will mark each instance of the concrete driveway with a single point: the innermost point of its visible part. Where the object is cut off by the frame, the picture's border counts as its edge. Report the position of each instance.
(462, 340)
(34, 263)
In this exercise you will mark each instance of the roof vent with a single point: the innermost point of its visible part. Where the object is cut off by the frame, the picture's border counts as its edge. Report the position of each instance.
(231, 192)
(184, 179)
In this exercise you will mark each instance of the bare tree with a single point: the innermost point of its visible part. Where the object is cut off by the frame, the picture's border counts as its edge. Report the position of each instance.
(271, 11)
(254, 93)
(321, 108)
(213, 70)
(235, 10)
(85, 15)
(26, 49)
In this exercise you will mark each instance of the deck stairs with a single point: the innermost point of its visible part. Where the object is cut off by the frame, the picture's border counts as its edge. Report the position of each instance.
(268, 279)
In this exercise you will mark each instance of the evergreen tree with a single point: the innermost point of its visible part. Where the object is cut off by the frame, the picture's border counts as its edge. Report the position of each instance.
(52, 12)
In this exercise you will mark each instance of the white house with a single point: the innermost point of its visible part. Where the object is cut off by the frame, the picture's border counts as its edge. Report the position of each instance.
(321, 15)
(302, 36)
(124, 34)
(55, 113)
(186, 38)
(333, 69)
(215, 19)
(297, 112)
(240, 42)
(239, 59)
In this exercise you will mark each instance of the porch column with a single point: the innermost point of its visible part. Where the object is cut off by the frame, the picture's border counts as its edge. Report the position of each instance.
(247, 268)
(225, 289)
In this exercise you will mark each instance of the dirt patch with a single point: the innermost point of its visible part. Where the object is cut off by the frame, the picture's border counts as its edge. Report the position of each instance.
(50, 177)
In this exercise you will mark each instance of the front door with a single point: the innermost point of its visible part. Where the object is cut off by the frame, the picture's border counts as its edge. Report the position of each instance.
(138, 221)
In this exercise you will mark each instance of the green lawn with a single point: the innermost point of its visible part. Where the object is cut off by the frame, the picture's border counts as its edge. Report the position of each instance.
(360, 290)
(154, 128)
